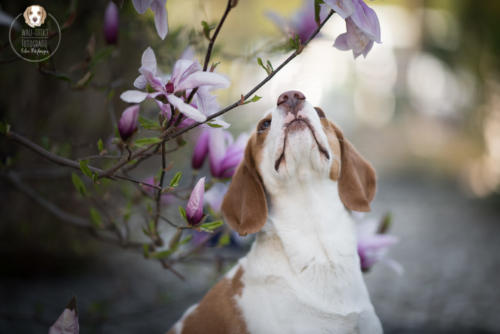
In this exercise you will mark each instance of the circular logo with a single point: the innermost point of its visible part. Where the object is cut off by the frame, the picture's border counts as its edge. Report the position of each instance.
(34, 35)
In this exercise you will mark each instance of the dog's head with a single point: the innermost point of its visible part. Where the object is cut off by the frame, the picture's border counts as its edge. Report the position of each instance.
(294, 143)
(35, 15)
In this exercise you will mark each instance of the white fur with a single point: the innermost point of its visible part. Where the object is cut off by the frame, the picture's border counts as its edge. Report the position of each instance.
(302, 274)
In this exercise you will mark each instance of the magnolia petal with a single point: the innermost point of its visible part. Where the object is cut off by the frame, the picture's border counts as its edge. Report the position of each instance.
(183, 68)
(206, 102)
(155, 82)
(367, 49)
(188, 53)
(217, 150)
(186, 109)
(67, 323)
(200, 149)
(378, 241)
(341, 42)
(194, 207)
(344, 8)
(215, 195)
(201, 78)
(141, 5)
(356, 38)
(366, 19)
(148, 60)
(140, 82)
(134, 96)
(161, 24)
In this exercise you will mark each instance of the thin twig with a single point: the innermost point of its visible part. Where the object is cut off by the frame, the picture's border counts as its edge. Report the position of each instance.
(159, 192)
(64, 161)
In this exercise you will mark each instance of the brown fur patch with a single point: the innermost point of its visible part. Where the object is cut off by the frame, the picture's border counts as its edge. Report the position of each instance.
(218, 312)
(357, 182)
(244, 206)
(334, 144)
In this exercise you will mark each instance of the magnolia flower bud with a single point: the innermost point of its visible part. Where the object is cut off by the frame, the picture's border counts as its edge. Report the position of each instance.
(194, 207)
(111, 23)
(128, 122)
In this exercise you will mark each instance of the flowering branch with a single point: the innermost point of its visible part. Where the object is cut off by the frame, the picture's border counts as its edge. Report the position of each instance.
(168, 135)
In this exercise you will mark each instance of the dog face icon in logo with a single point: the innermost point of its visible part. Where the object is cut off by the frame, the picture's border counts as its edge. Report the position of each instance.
(34, 16)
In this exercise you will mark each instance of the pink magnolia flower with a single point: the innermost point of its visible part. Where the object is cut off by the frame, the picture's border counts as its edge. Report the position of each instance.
(186, 75)
(224, 153)
(194, 207)
(362, 25)
(127, 124)
(67, 323)
(158, 7)
(111, 23)
(373, 246)
(302, 23)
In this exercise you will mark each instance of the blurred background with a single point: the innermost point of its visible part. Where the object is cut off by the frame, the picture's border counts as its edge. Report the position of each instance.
(423, 107)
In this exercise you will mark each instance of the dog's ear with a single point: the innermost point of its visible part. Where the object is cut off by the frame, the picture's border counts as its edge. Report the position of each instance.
(26, 15)
(44, 15)
(245, 206)
(357, 181)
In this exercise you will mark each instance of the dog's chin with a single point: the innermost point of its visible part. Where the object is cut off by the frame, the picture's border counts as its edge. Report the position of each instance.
(300, 148)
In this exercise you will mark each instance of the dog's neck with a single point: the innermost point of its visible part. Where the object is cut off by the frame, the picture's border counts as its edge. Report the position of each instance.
(309, 241)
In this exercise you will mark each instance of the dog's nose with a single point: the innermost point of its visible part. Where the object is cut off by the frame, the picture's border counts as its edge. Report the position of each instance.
(34, 19)
(292, 101)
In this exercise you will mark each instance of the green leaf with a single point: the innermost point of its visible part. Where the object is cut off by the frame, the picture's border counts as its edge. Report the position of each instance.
(213, 125)
(147, 141)
(145, 250)
(317, 9)
(100, 145)
(95, 217)
(4, 128)
(207, 28)
(261, 64)
(270, 66)
(255, 98)
(224, 240)
(211, 226)
(182, 211)
(176, 179)
(148, 124)
(84, 166)
(101, 55)
(79, 185)
(171, 250)
(162, 254)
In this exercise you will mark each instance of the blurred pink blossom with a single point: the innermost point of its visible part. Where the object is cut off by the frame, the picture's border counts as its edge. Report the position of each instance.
(373, 246)
(362, 25)
(111, 23)
(224, 153)
(302, 23)
(158, 8)
(67, 323)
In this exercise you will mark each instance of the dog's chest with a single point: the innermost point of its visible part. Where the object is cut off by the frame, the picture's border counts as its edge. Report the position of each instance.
(305, 280)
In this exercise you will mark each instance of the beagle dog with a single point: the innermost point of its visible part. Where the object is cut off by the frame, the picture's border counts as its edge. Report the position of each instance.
(295, 186)
(34, 16)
